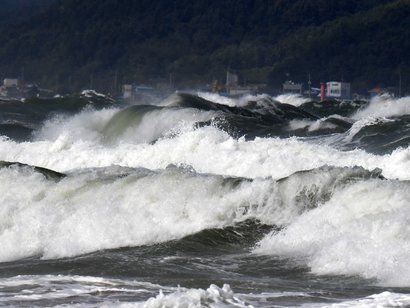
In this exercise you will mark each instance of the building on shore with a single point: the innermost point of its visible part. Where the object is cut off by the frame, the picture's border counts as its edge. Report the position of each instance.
(233, 88)
(10, 82)
(390, 91)
(10, 89)
(16, 89)
(338, 90)
(289, 87)
(127, 92)
(232, 81)
(133, 92)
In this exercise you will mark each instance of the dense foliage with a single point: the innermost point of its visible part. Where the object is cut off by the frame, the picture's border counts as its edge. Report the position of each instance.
(76, 43)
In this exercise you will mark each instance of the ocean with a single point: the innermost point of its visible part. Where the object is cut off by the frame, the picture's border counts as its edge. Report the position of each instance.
(204, 201)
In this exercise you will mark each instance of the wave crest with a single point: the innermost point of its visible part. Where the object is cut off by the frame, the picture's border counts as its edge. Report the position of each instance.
(354, 233)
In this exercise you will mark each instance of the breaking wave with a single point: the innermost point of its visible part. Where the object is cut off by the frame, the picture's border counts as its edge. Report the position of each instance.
(328, 108)
(18, 119)
(135, 125)
(354, 233)
(377, 135)
(89, 291)
(385, 106)
(212, 297)
(292, 99)
(141, 294)
(385, 299)
(206, 149)
(324, 183)
(89, 210)
(250, 117)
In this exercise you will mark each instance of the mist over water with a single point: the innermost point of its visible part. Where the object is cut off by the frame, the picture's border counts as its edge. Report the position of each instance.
(252, 201)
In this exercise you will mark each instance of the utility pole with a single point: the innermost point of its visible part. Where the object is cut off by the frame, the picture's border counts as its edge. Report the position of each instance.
(171, 81)
(115, 82)
(400, 81)
(310, 86)
(22, 74)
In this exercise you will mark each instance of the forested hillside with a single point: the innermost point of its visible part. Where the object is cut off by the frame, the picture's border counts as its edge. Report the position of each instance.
(75, 43)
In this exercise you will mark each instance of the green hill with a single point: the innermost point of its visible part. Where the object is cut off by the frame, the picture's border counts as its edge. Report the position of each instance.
(75, 43)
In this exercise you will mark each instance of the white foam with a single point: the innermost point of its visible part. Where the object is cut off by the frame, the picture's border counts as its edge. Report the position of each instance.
(206, 149)
(310, 125)
(92, 93)
(89, 211)
(89, 126)
(211, 297)
(97, 209)
(32, 288)
(385, 299)
(360, 124)
(163, 123)
(84, 126)
(363, 230)
(384, 106)
(291, 99)
(219, 99)
(241, 101)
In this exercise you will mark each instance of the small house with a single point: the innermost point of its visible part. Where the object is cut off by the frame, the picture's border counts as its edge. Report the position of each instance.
(338, 90)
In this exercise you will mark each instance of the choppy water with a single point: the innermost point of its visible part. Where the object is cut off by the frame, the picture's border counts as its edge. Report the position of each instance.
(203, 200)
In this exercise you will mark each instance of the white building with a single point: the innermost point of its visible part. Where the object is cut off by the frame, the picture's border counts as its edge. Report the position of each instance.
(240, 91)
(336, 89)
(291, 87)
(127, 91)
(231, 80)
(9, 82)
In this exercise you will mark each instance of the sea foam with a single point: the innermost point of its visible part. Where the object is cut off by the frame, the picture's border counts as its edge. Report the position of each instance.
(384, 106)
(362, 230)
(207, 150)
(114, 207)
(101, 209)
